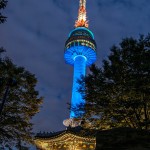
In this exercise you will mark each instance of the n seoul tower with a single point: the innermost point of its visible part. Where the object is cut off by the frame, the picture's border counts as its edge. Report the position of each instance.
(80, 51)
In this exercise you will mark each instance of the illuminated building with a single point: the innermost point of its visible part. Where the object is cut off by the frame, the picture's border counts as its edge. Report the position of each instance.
(80, 52)
(70, 139)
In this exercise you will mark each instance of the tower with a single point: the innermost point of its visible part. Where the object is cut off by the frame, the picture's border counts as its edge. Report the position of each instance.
(80, 52)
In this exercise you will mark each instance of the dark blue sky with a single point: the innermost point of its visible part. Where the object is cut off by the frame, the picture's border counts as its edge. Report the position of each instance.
(34, 37)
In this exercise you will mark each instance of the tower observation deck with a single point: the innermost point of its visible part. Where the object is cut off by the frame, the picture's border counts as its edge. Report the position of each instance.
(80, 51)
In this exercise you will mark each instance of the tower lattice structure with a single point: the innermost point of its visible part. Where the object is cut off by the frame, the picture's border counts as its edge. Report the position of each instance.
(80, 52)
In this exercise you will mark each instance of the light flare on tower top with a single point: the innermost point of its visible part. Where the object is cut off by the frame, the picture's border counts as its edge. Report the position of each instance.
(82, 19)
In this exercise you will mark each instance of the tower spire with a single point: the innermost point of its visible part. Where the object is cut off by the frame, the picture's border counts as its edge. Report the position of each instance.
(82, 18)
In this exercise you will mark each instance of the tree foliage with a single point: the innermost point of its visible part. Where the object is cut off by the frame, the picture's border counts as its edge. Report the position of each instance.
(3, 4)
(118, 93)
(21, 104)
(22, 101)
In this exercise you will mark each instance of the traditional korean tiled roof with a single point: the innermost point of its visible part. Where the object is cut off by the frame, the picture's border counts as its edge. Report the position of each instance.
(79, 131)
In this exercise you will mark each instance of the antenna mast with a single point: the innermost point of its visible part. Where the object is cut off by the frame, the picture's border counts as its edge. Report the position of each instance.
(82, 22)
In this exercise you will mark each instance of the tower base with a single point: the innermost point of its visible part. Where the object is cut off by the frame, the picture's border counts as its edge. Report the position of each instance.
(72, 122)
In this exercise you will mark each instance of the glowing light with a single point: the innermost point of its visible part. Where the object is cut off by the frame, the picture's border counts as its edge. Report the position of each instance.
(80, 51)
(66, 140)
(82, 19)
(79, 70)
(82, 28)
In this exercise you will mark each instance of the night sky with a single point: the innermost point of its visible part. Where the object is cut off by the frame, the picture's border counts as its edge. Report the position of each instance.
(34, 37)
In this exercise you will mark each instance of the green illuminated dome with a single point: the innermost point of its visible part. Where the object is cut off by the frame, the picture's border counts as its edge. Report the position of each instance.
(80, 42)
(81, 36)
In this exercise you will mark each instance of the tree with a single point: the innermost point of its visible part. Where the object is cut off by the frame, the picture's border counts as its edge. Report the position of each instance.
(21, 104)
(22, 101)
(118, 93)
(3, 4)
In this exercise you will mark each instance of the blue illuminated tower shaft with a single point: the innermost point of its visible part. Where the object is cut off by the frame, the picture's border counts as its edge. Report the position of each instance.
(80, 51)
(79, 71)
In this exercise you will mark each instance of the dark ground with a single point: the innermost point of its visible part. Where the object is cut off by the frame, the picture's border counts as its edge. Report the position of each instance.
(123, 139)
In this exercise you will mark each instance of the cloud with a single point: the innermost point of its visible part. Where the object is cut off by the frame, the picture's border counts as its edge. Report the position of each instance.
(35, 33)
(113, 20)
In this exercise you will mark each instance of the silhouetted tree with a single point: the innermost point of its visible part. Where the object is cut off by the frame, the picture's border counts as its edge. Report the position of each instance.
(22, 101)
(118, 93)
(3, 4)
(21, 104)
